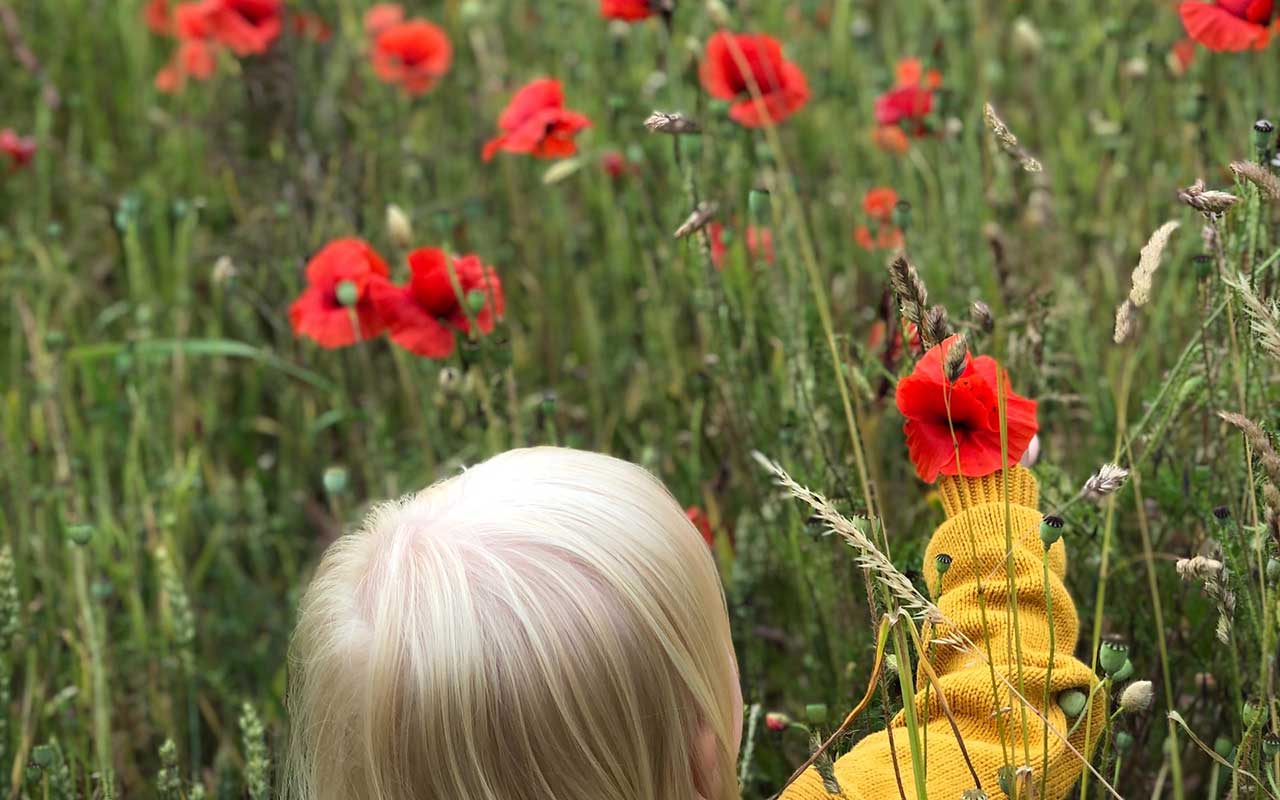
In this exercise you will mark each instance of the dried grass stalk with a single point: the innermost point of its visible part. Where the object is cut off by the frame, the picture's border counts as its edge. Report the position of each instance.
(698, 219)
(1124, 322)
(1007, 141)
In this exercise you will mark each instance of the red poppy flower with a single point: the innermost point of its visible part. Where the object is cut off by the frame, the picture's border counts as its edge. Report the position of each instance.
(536, 122)
(885, 237)
(156, 14)
(908, 103)
(423, 315)
(1228, 24)
(878, 203)
(19, 149)
(381, 16)
(616, 164)
(759, 244)
(414, 54)
(629, 10)
(890, 139)
(782, 85)
(247, 27)
(702, 522)
(341, 281)
(934, 407)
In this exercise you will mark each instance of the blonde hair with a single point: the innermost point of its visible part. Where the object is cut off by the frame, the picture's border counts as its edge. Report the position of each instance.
(547, 624)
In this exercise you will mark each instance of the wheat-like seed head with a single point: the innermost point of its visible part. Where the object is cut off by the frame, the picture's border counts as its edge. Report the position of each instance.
(1149, 262)
(1266, 181)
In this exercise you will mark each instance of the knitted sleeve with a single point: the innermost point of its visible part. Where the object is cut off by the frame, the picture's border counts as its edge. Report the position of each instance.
(991, 721)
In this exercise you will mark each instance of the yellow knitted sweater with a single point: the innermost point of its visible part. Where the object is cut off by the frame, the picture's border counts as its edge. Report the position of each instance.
(974, 536)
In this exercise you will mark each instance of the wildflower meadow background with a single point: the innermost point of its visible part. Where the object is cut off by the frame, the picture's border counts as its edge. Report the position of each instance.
(265, 263)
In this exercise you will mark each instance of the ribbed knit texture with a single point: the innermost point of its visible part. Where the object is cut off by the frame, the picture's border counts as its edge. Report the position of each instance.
(974, 535)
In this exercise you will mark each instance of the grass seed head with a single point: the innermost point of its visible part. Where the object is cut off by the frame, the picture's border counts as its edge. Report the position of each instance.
(936, 326)
(1108, 479)
(1007, 141)
(1209, 202)
(956, 357)
(1253, 172)
(1198, 568)
(672, 122)
(982, 316)
(909, 289)
(1124, 322)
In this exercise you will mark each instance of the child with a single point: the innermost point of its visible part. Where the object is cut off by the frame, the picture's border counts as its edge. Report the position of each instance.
(973, 537)
(548, 624)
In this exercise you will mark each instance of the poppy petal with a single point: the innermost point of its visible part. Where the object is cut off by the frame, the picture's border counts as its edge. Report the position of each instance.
(1219, 29)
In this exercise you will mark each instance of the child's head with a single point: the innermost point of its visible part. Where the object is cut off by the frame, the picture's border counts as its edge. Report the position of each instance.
(546, 625)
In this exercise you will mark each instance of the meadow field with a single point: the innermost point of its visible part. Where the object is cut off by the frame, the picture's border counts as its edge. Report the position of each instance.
(188, 416)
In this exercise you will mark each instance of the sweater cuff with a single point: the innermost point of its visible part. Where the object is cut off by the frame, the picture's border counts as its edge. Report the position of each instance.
(959, 494)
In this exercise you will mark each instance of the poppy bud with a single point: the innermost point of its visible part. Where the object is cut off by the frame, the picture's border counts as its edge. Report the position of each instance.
(1004, 776)
(942, 563)
(80, 534)
(1113, 655)
(1270, 744)
(718, 13)
(1223, 747)
(1125, 672)
(758, 202)
(981, 313)
(816, 713)
(1137, 697)
(449, 378)
(776, 721)
(1072, 702)
(1050, 530)
(335, 480)
(1027, 41)
(1273, 569)
(1124, 741)
(347, 293)
(399, 229)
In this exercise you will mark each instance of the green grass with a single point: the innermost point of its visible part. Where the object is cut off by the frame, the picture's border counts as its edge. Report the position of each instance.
(166, 439)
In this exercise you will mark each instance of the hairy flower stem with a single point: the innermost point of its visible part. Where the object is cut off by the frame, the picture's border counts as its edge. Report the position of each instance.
(1175, 758)
(1048, 675)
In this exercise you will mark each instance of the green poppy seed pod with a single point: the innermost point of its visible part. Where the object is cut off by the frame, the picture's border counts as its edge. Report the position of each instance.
(1004, 776)
(1263, 131)
(1124, 673)
(759, 202)
(1112, 655)
(80, 534)
(1072, 702)
(816, 713)
(347, 294)
(43, 756)
(335, 480)
(902, 215)
(476, 300)
(1124, 741)
(1050, 530)
(942, 563)
(973, 794)
(1273, 569)
(1271, 745)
